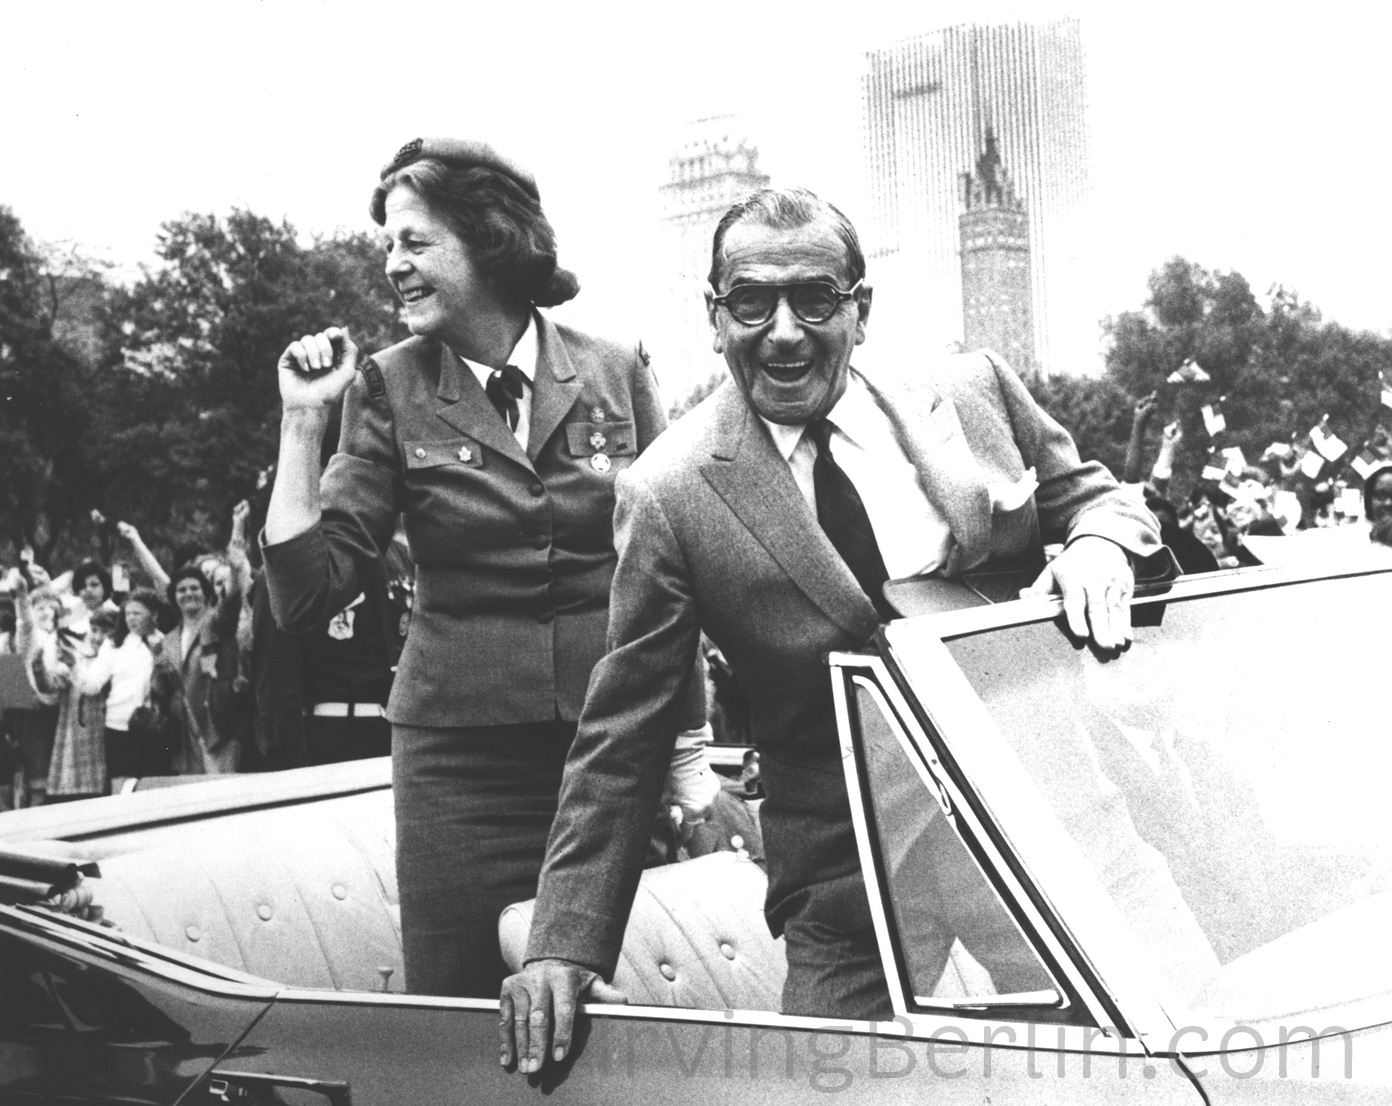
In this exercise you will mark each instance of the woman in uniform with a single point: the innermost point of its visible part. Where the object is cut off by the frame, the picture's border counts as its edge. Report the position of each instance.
(497, 435)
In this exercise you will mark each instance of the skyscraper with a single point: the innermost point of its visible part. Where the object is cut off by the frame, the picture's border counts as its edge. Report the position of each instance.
(927, 105)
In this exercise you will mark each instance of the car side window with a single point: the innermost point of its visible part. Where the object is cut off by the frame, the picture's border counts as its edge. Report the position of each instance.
(959, 943)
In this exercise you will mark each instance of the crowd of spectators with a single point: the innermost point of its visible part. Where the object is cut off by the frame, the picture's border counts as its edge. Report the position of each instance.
(1236, 502)
(135, 672)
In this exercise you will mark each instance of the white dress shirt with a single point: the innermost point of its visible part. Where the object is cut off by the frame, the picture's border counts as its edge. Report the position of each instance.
(523, 357)
(913, 536)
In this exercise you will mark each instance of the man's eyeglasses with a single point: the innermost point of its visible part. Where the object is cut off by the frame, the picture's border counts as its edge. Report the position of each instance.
(812, 301)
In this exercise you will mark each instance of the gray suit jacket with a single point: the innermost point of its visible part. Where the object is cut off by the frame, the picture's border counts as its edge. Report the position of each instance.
(713, 534)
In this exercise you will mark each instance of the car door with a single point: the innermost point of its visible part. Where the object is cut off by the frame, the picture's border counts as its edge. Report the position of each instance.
(1199, 822)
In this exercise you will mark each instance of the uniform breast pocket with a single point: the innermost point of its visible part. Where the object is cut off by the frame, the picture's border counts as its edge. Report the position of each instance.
(421, 456)
(606, 446)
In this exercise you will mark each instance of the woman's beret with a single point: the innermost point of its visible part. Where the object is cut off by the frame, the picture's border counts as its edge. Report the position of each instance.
(463, 152)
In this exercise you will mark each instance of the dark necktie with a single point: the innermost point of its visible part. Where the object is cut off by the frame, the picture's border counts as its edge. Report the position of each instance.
(842, 517)
(504, 389)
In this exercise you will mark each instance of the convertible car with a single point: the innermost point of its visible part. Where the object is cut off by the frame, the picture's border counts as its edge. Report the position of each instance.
(1161, 877)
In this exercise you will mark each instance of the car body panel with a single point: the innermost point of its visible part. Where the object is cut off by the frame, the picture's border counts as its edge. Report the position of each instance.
(87, 1019)
(643, 1055)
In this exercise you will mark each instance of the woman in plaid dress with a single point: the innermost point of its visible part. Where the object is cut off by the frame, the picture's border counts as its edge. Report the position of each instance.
(78, 767)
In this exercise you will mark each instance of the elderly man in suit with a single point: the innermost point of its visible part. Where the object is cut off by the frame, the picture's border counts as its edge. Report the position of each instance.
(770, 518)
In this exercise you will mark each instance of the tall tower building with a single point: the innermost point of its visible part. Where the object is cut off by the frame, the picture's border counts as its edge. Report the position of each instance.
(927, 103)
(714, 166)
(996, 307)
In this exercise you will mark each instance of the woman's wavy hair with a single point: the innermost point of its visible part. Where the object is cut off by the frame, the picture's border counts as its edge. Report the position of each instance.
(88, 569)
(191, 572)
(507, 234)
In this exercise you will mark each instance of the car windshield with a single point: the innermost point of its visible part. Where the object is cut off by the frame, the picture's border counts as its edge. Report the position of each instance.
(1224, 781)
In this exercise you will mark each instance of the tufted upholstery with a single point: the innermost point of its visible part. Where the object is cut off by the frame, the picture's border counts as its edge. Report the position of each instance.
(305, 894)
(696, 938)
(294, 896)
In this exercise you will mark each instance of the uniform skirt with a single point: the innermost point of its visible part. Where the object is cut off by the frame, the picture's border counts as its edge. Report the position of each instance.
(474, 806)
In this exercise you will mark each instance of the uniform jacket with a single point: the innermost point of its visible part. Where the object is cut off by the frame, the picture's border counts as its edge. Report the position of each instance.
(514, 550)
(714, 535)
(279, 669)
(211, 710)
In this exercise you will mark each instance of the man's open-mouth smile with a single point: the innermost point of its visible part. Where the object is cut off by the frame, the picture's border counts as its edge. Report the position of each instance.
(787, 372)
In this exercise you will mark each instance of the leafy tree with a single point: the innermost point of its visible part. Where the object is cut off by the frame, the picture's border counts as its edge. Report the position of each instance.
(48, 467)
(1275, 373)
(194, 402)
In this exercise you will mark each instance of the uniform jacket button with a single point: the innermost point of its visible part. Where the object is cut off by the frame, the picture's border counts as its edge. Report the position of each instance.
(536, 489)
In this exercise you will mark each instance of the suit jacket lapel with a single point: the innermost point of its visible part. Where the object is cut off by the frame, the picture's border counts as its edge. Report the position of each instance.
(465, 407)
(555, 389)
(755, 482)
(932, 438)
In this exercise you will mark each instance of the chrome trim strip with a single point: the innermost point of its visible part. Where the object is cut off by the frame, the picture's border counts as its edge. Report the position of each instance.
(870, 870)
(919, 749)
(939, 787)
(922, 1025)
(1068, 959)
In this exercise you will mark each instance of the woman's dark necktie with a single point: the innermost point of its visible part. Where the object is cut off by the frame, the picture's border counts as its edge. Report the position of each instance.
(504, 389)
(843, 519)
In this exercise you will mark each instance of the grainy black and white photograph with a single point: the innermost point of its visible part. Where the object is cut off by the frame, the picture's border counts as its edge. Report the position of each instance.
(616, 553)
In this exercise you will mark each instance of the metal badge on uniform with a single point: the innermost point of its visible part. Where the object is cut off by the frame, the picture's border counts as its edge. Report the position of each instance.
(598, 440)
(341, 625)
(597, 415)
(376, 386)
(600, 462)
(466, 454)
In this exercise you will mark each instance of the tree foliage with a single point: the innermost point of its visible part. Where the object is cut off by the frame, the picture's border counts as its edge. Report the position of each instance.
(157, 403)
(193, 397)
(48, 463)
(1275, 372)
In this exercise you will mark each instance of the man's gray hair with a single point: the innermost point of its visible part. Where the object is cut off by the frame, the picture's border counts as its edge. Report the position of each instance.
(787, 209)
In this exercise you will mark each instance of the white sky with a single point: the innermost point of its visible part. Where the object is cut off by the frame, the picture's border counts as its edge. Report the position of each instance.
(1243, 136)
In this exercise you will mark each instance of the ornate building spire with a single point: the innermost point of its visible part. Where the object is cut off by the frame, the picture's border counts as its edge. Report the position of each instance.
(994, 227)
